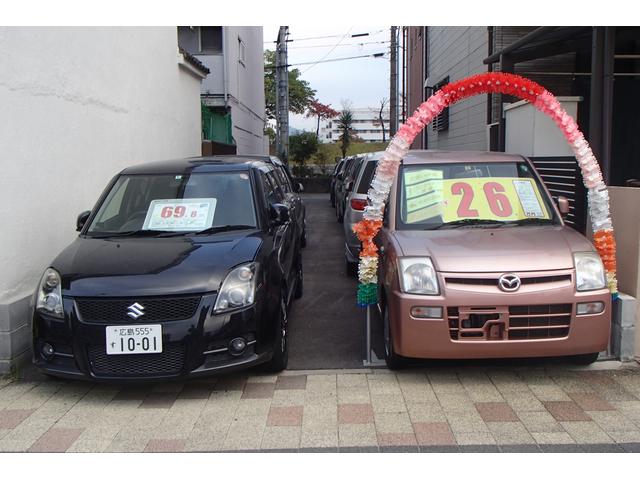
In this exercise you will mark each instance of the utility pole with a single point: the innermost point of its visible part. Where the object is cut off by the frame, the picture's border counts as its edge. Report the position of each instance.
(282, 96)
(393, 84)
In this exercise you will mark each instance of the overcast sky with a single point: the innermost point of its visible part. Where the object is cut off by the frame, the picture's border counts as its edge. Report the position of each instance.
(362, 82)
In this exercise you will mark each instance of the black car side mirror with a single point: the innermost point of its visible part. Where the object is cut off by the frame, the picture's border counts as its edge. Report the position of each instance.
(279, 214)
(299, 188)
(82, 219)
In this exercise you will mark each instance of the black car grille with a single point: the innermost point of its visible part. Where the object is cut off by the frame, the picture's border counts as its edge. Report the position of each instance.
(169, 362)
(155, 309)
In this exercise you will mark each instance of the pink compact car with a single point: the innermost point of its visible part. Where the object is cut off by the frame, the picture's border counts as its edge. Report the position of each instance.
(476, 262)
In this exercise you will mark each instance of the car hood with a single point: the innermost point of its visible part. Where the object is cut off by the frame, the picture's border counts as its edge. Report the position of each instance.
(475, 250)
(93, 267)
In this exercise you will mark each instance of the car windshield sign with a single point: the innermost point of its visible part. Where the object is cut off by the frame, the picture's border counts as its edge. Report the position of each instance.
(179, 214)
(144, 205)
(471, 195)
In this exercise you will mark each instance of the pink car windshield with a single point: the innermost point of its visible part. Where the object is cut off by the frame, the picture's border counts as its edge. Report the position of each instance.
(471, 194)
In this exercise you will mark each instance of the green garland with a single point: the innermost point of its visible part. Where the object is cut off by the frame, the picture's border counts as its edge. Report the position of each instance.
(367, 294)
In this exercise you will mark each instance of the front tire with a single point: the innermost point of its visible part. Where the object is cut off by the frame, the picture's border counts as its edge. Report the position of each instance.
(280, 358)
(585, 358)
(393, 360)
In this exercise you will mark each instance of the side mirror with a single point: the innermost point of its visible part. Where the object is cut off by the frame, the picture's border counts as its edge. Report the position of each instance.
(349, 185)
(279, 214)
(299, 188)
(563, 206)
(82, 219)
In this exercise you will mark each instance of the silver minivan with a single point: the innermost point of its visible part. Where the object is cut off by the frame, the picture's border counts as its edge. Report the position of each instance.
(354, 205)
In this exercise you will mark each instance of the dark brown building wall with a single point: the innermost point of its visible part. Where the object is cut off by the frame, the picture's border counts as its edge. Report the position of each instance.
(415, 73)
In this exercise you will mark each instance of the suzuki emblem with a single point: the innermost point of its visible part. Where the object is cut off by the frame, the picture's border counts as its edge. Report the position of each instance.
(509, 282)
(135, 311)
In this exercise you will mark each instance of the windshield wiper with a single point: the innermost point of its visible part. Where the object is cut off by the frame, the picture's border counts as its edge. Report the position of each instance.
(128, 233)
(531, 221)
(222, 228)
(465, 222)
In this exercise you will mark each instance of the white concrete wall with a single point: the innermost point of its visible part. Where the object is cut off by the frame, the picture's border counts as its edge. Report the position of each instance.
(245, 85)
(532, 133)
(78, 105)
(242, 82)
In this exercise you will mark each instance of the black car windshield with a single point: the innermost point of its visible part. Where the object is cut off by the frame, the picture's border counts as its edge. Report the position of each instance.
(471, 195)
(176, 204)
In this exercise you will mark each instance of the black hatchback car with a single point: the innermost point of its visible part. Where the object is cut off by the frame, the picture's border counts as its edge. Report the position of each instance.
(183, 268)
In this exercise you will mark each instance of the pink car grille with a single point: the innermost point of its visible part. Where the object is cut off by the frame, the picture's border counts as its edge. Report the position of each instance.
(516, 322)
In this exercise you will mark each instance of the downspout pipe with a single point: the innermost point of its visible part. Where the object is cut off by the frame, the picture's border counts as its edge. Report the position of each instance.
(224, 68)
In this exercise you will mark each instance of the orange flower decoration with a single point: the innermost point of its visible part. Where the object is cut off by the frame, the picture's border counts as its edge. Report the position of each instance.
(369, 249)
(365, 230)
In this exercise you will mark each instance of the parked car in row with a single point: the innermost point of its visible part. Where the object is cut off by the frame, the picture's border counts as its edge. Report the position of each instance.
(183, 268)
(354, 207)
(345, 183)
(476, 262)
(333, 179)
(290, 187)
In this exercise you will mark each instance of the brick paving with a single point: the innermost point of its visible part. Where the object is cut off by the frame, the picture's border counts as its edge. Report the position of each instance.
(441, 409)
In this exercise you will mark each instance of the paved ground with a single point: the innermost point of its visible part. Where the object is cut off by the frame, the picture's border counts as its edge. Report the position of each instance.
(530, 405)
(326, 325)
(548, 408)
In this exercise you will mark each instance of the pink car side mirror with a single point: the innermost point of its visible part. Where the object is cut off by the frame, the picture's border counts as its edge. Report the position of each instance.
(563, 205)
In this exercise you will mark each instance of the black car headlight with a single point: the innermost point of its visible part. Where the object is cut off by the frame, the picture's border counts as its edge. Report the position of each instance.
(49, 294)
(238, 289)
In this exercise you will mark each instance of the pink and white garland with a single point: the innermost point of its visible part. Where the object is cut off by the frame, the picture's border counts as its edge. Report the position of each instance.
(491, 82)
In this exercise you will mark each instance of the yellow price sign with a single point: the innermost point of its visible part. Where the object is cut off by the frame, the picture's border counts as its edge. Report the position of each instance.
(496, 198)
(500, 198)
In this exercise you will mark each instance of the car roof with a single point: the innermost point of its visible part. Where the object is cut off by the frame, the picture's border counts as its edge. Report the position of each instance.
(213, 163)
(415, 157)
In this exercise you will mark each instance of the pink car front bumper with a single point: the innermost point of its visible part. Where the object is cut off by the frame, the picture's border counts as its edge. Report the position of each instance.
(480, 321)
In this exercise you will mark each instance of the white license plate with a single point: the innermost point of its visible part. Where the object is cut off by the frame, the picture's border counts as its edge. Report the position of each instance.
(129, 339)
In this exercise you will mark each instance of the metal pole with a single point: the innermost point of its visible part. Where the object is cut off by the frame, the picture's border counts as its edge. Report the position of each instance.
(369, 334)
(595, 100)
(607, 100)
(282, 96)
(371, 359)
(393, 85)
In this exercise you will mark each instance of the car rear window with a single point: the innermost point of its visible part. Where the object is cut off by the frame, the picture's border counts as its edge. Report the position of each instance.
(367, 176)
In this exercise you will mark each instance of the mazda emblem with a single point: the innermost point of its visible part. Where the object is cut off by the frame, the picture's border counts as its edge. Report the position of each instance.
(509, 282)
(135, 311)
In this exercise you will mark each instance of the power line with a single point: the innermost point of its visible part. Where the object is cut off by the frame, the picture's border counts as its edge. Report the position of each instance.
(355, 35)
(374, 55)
(341, 45)
(329, 52)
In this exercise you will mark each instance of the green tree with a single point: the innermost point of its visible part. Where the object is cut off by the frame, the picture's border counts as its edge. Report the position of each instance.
(302, 146)
(300, 93)
(345, 126)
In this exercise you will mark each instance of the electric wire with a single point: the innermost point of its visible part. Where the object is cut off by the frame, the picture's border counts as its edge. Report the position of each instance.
(329, 52)
(329, 36)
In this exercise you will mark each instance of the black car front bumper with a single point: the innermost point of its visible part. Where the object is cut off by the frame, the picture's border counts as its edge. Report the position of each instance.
(192, 347)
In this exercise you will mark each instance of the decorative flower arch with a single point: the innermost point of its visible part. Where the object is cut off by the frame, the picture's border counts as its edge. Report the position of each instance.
(490, 82)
